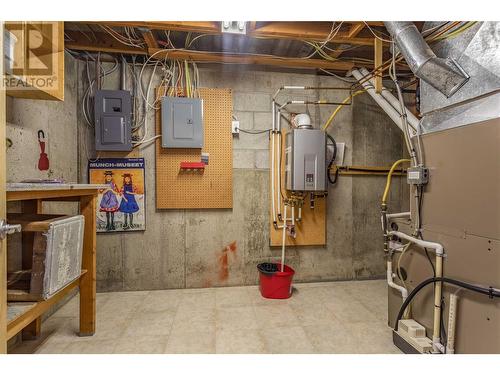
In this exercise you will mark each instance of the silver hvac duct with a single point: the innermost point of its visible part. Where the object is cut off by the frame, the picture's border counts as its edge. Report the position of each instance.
(444, 75)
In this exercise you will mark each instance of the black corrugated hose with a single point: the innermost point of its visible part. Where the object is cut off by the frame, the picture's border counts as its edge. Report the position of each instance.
(490, 292)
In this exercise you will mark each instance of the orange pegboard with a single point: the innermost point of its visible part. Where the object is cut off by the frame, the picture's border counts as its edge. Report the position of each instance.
(208, 188)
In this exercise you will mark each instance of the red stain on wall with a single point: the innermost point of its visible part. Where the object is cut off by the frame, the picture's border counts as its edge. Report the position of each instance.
(223, 259)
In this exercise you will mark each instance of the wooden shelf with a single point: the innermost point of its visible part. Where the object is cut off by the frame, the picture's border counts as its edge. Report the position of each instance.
(31, 311)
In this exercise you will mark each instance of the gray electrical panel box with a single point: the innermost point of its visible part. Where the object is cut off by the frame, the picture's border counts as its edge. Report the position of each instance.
(112, 109)
(305, 160)
(181, 122)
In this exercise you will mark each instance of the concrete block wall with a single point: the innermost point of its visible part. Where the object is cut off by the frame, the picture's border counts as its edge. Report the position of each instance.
(184, 248)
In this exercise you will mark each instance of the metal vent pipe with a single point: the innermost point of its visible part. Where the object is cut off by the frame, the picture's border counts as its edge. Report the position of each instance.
(444, 75)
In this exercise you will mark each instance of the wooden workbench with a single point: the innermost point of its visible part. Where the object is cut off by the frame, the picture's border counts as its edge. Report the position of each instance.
(27, 317)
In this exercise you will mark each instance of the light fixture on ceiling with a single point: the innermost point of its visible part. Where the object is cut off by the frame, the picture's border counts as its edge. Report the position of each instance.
(234, 27)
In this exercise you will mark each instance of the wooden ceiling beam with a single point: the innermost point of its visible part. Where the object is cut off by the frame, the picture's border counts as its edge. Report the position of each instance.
(150, 39)
(370, 23)
(104, 43)
(307, 30)
(278, 30)
(228, 58)
(355, 29)
(353, 32)
(378, 58)
(78, 41)
(205, 27)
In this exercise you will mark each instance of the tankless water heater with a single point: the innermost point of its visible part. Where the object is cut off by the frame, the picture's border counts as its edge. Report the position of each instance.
(305, 160)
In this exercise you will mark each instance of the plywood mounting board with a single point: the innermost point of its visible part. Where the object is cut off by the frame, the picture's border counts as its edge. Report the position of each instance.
(311, 230)
(212, 187)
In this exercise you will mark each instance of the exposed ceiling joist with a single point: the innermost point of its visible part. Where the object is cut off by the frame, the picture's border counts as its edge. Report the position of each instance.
(150, 39)
(353, 32)
(228, 58)
(279, 30)
(308, 31)
(206, 27)
(104, 43)
(100, 42)
(355, 29)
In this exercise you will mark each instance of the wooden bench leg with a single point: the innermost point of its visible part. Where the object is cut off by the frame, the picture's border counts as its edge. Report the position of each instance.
(33, 330)
(88, 281)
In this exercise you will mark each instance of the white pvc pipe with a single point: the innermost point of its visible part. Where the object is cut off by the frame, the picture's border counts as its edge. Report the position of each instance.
(394, 102)
(427, 244)
(398, 215)
(452, 317)
(392, 284)
(283, 240)
(438, 286)
(388, 217)
(384, 104)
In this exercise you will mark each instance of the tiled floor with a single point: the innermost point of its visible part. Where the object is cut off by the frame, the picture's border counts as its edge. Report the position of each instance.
(333, 317)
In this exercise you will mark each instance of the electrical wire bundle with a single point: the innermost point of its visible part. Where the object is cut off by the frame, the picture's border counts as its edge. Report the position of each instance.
(177, 78)
(94, 83)
(130, 38)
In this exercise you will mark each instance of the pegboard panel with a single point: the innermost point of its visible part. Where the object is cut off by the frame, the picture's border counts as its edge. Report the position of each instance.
(212, 188)
(311, 230)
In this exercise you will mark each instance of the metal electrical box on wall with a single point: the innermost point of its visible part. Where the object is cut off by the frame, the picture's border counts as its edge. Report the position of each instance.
(112, 120)
(305, 160)
(181, 122)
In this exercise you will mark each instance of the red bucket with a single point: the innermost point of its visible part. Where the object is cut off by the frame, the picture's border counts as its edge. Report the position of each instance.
(275, 284)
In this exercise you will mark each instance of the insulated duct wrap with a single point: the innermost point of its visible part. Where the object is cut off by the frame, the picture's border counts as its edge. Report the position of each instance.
(444, 75)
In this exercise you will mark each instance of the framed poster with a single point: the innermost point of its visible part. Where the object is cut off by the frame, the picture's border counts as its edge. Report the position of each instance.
(121, 206)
